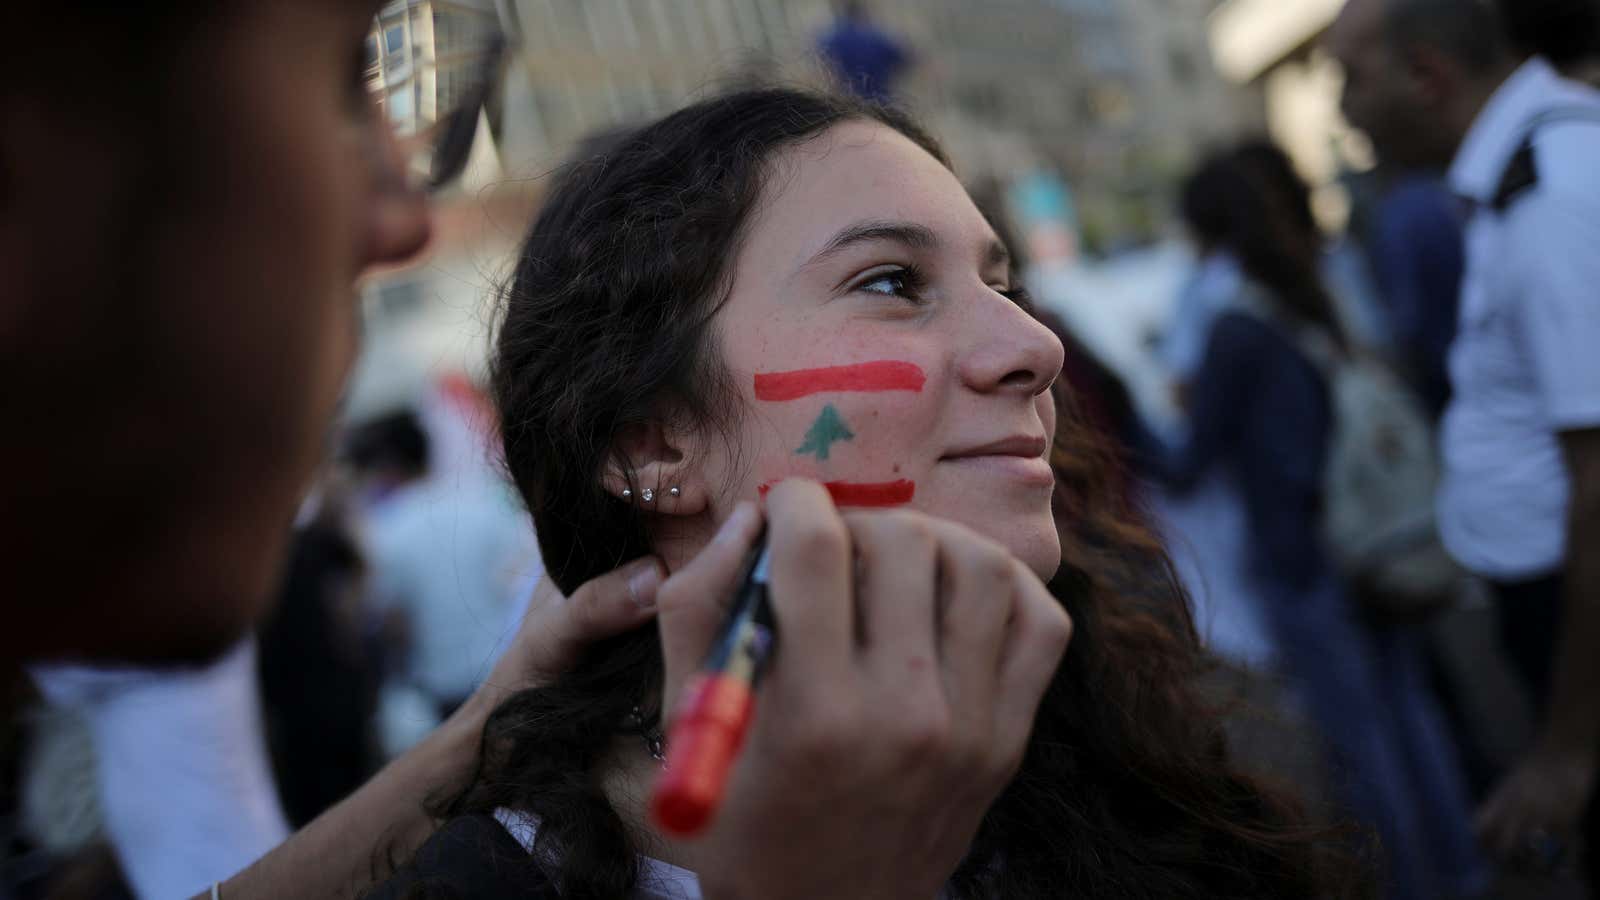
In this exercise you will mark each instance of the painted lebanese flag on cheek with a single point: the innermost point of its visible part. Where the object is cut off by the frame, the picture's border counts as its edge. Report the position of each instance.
(864, 493)
(864, 378)
(830, 428)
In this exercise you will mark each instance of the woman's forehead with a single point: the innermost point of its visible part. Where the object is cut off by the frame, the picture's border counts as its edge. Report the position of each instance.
(860, 172)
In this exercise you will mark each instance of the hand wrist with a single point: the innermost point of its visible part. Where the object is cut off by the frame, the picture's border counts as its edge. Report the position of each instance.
(451, 751)
(474, 712)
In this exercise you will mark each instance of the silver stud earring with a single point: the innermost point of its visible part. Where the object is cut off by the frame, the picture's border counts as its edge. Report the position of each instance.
(627, 493)
(648, 496)
(675, 492)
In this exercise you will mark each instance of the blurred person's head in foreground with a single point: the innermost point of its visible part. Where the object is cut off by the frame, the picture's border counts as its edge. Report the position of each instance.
(1566, 32)
(1417, 72)
(1242, 202)
(187, 196)
(776, 284)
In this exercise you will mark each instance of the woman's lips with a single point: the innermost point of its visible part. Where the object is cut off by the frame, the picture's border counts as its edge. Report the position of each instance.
(1020, 457)
(1033, 470)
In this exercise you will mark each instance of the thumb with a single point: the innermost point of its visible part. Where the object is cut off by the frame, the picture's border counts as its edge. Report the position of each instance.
(604, 606)
(555, 630)
(693, 602)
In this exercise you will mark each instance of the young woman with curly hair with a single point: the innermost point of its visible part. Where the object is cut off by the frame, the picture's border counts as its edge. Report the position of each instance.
(774, 286)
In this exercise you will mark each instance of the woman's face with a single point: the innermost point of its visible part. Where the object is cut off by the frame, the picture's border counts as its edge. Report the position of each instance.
(875, 349)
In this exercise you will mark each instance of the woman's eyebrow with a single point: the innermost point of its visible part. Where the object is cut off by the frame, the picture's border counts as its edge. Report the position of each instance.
(909, 234)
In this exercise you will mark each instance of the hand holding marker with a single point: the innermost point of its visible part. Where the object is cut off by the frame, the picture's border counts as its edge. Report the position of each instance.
(714, 713)
(718, 703)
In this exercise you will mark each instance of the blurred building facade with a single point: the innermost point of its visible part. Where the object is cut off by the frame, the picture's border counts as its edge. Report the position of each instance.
(1117, 95)
(1099, 106)
(1273, 45)
(418, 56)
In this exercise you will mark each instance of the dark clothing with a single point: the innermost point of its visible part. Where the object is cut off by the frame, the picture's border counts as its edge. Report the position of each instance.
(471, 857)
(865, 59)
(1529, 615)
(1259, 406)
(1419, 257)
(319, 680)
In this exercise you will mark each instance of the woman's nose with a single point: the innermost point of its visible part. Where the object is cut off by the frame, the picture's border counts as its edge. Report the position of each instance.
(1017, 353)
(399, 221)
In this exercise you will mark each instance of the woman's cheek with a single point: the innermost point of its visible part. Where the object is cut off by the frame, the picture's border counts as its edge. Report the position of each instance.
(838, 426)
(1048, 415)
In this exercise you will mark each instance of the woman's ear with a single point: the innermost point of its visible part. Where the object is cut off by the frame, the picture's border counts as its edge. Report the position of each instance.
(650, 469)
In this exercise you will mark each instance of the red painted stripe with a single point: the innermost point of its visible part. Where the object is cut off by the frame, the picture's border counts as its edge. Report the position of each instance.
(852, 493)
(882, 375)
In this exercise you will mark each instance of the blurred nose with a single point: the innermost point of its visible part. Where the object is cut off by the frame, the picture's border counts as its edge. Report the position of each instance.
(1016, 354)
(399, 221)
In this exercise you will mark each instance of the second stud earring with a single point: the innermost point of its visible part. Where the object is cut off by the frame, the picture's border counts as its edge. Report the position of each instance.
(648, 495)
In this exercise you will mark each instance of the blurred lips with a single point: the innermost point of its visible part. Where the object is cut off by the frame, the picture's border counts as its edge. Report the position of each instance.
(1019, 456)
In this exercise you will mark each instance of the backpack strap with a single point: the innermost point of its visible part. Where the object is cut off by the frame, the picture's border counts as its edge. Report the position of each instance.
(1521, 174)
(1315, 344)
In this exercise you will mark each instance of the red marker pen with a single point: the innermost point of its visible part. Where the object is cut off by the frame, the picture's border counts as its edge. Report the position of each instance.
(716, 708)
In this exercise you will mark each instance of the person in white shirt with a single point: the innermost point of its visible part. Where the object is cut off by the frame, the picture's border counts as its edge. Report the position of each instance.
(1434, 83)
(447, 545)
(181, 738)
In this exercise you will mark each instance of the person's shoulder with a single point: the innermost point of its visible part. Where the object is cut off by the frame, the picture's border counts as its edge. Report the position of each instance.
(1562, 200)
(1565, 149)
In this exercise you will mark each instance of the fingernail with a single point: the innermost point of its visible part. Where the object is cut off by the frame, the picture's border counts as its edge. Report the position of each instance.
(736, 521)
(643, 581)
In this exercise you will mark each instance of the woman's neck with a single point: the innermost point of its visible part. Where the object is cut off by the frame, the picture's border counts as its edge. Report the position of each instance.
(629, 772)
(676, 540)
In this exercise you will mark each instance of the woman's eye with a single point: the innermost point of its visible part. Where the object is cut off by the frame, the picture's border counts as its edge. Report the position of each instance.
(886, 284)
(898, 283)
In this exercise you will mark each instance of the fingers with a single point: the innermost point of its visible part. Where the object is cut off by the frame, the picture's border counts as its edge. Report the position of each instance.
(693, 602)
(898, 557)
(977, 602)
(1516, 811)
(812, 581)
(935, 591)
(1503, 823)
(1544, 797)
(608, 605)
(1035, 643)
(556, 629)
(1490, 825)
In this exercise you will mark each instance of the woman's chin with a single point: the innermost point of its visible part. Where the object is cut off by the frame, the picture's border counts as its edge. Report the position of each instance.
(1042, 556)
(1033, 540)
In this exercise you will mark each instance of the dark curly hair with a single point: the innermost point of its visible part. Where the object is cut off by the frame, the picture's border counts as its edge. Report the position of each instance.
(1126, 790)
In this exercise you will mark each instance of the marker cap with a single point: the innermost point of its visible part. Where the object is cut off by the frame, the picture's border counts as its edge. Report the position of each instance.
(701, 748)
